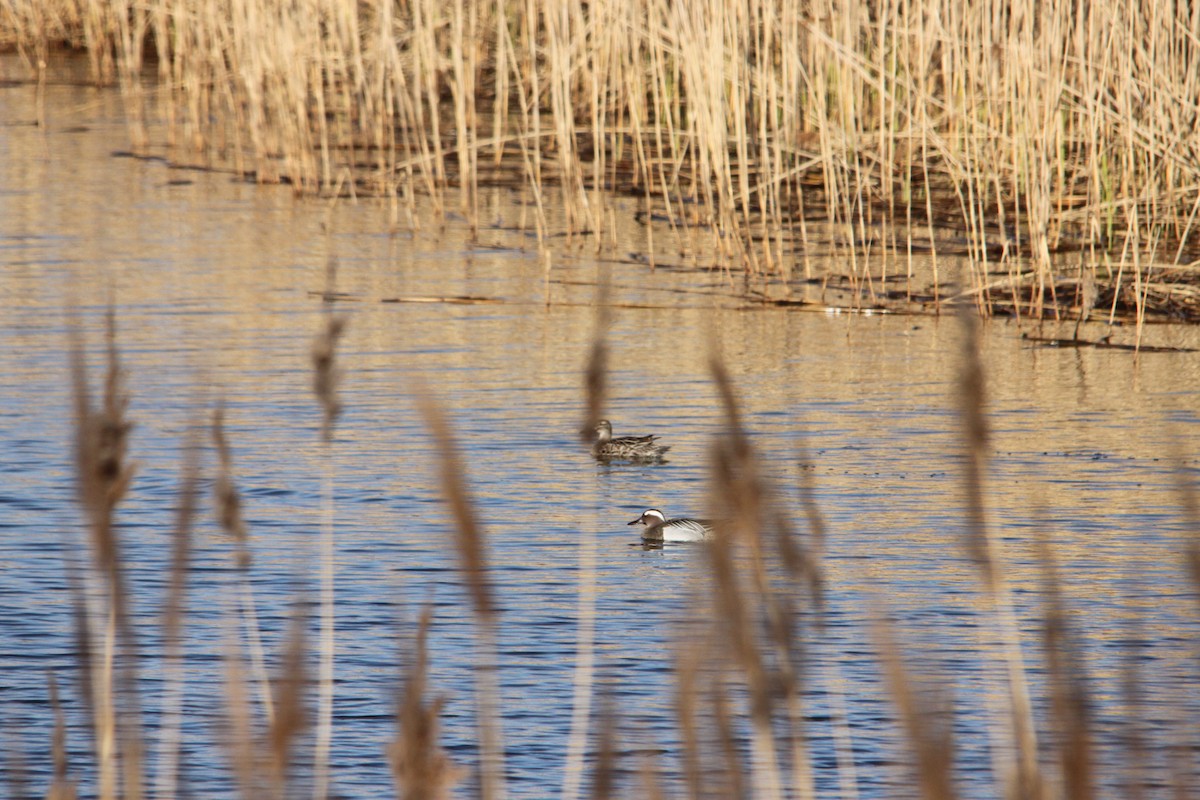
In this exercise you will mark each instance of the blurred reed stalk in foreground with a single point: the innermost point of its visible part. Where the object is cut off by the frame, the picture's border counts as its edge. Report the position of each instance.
(174, 616)
(584, 682)
(261, 751)
(62, 787)
(260, 745)
(263, 757)
(471, 546)
(107, 645)
(1070, 707)
(421, 769)
(1015, 747)
(753, 647)
(326, 378)
(924, 716)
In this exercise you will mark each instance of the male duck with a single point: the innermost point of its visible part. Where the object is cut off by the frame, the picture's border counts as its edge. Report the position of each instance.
(630, 448)
(681, 529)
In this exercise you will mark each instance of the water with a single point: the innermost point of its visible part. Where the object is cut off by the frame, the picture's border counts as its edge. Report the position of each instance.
(214, 283)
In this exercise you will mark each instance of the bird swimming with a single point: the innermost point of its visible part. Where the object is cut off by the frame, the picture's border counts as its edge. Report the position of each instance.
(681, 529)
(628, 448)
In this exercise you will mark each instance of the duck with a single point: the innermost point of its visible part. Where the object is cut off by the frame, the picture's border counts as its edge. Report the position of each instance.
(629, 448)
(681, 529)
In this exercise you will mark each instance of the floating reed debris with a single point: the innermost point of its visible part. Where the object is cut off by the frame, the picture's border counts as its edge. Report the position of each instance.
(912, 130)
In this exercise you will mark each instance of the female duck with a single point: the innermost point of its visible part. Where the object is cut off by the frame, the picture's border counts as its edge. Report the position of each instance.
(681, 529)
(630, 448)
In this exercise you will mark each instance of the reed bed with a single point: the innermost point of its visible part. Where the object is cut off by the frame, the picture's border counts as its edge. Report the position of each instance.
(1049, 144)
(742, 664)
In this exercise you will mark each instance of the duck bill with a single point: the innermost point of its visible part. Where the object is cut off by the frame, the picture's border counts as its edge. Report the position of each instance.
(635, 522)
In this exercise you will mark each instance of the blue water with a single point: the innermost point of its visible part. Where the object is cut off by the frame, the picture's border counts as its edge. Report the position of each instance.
(211, 282)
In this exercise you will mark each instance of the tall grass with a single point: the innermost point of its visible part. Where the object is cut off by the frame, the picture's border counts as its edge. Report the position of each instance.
(1027, 128)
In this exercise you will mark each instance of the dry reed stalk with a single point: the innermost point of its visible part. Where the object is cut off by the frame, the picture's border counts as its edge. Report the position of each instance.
(662, 83)
(595, 381)
(471, 547)
(462, 89)
(732, 612)
(559, 21)
(595, 391)
(228, 503)
(174, 614)
(699, 28)
(754, 530)
(501, 77)
(226, 497)
(401, 101)
(530, 157)
(1070, 712)
(262, 765)
(584, 673)
(598, 52)
(239, 739)
(82, 638)
(711, 754)
(104, 475)
(529, 78)
(1190, 504)
(843, 740)
(689, 657)
(926, 725)
(326, 377)
(291, 714)
(132, 23)
(604, 771)
(30, 27)
(1016, 757)
(99, 33)
(61, 787)
(651, 783)
(107, 738)
(421, 770)
(733, 781)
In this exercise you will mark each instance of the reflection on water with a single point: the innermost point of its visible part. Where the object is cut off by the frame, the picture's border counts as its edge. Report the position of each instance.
(213, 283)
